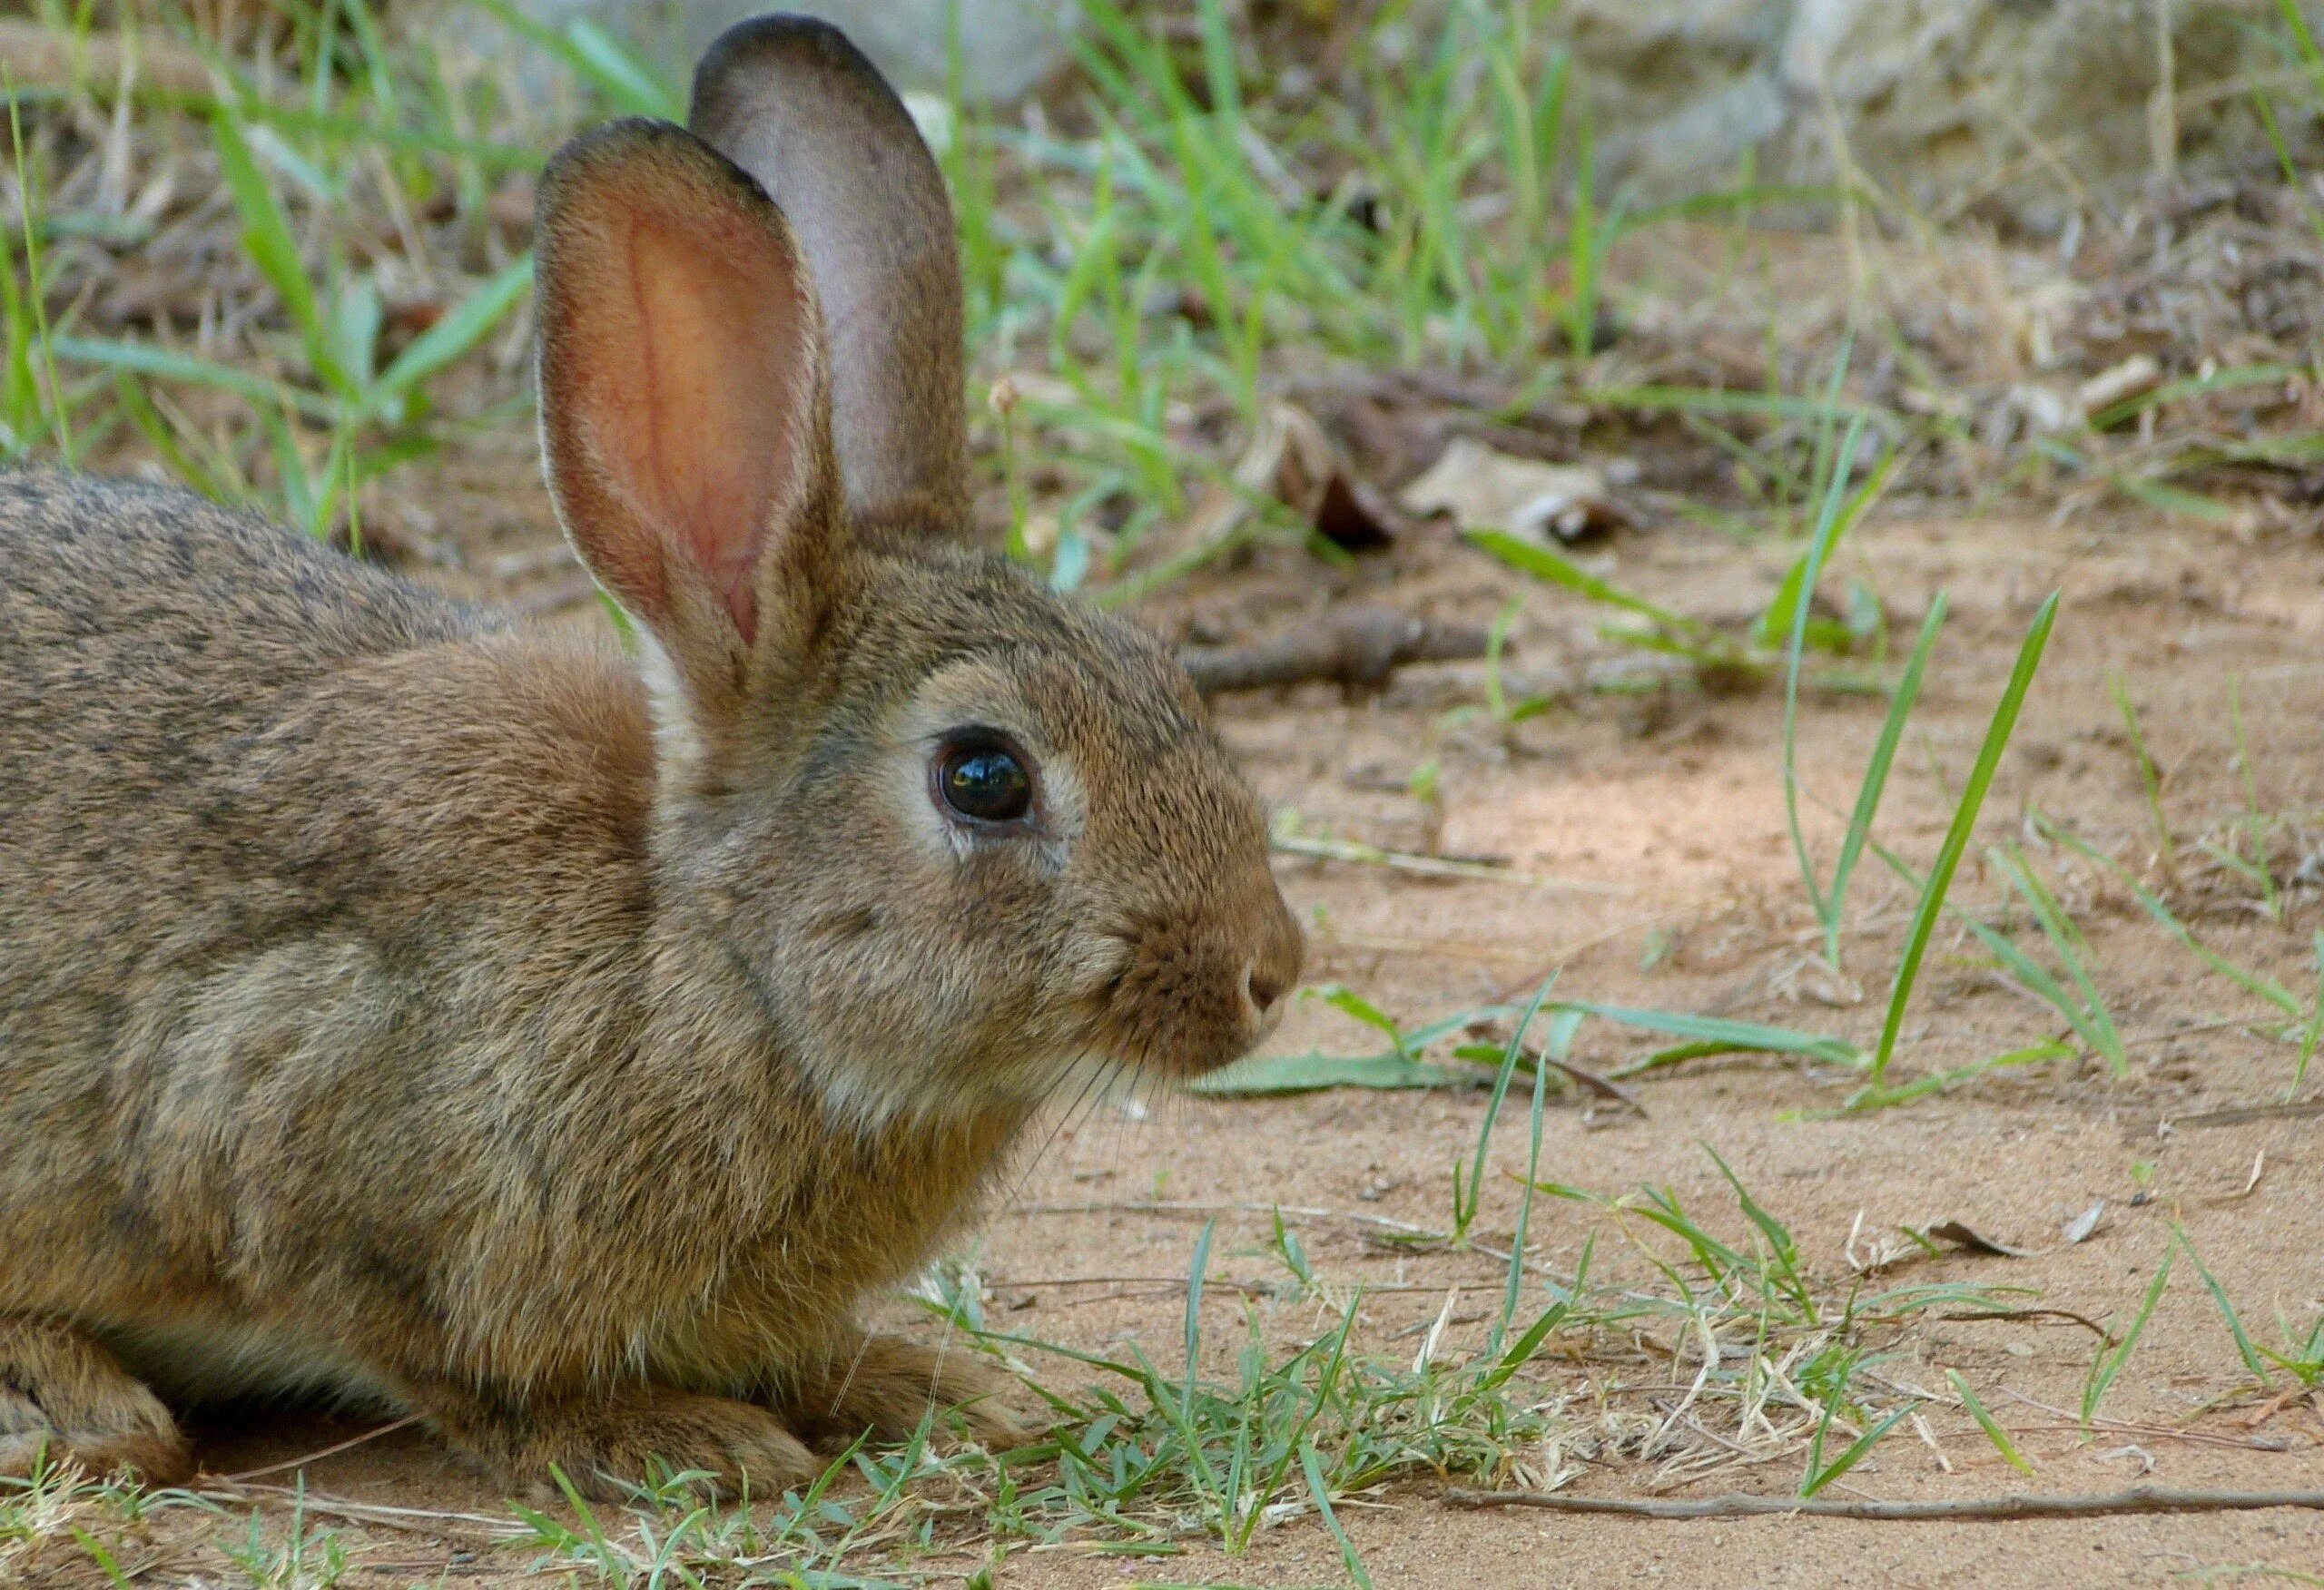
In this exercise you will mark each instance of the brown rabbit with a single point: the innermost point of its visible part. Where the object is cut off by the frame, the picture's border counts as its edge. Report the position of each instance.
(400, 1004)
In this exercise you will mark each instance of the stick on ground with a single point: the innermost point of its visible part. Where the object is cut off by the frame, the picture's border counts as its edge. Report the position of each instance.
(1356, 648)
(2139, 1498)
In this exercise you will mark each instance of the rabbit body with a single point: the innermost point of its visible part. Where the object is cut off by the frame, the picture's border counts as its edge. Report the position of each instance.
(403, 1005)
(285, 1107)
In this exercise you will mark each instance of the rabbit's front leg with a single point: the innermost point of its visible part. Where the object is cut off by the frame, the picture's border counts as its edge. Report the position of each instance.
(608, 1440)
(65, 1397)
(888, 1385)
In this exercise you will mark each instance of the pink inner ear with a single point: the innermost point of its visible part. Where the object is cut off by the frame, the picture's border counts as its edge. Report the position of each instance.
(693, 367)
(713, 452)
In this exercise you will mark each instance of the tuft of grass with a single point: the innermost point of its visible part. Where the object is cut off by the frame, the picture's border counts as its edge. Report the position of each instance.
(2306, 1018)
(285, 399)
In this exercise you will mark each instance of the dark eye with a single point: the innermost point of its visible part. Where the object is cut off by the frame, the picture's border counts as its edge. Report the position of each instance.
(985, 781)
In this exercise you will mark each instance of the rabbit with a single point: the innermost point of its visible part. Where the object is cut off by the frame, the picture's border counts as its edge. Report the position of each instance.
(559, 1041)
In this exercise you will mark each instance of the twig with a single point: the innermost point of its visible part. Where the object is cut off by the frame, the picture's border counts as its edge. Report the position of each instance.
(39, 56)
(1211, 1283)
(1289, 1212)
(420, 1520)
(2299, 1109)
(372, 1435)
(2139, 1498)
(2064, 1316)
(1328, 849)
(2121, 1427)
(1356, 648)
(1603, 1087)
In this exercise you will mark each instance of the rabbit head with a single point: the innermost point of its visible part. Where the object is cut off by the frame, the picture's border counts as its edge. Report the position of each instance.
(962, 838)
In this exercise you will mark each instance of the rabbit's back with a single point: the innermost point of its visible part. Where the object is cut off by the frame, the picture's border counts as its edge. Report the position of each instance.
(150, 644)
(145, 620)
(147, 638)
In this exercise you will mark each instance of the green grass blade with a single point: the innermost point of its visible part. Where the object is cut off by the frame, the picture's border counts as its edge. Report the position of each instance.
(1957, 837)
(2108, 1364)
(1789, 612)
(586, 51)
(1196, 1274)
(1265, 1075)
(1991, 1425)
(106, 1562)
(1521, 1352)
(2243, 1344)
(1323, 1495)
(1882, 1098)
(2258, 983)
(1855, 1453)
(2257, 375)
(1544, 564)
(2067, 940)
(145, 361)
(1515, 1286)
(1875, 773)
(2149, 775)
(1712, 1034)
(2304, 39)
(1464, 1207)
(2028, 971)
(451, 337)
(36, 297)
(1782, 1247)
(273, 247)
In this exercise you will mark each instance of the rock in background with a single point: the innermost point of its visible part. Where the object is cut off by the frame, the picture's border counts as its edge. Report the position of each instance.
(1007, 46)
(1943, 104)
(2030, 108)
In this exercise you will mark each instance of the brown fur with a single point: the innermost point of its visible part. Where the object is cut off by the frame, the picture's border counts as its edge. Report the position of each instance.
(398, 1005)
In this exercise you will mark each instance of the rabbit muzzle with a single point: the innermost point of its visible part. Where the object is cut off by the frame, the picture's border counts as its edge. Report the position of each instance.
(1201, 989)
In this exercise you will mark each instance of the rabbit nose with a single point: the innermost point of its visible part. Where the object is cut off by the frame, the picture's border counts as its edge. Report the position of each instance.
(1272, 973)
(1261, 989)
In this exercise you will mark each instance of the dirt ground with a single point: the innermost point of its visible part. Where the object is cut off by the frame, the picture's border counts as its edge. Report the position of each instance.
(1658, 821)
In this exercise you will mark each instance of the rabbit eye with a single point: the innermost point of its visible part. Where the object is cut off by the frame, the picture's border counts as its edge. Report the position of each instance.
(984, 780)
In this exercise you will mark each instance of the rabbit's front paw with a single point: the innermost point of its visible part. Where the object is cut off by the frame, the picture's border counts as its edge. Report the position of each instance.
(65, 1399)
(609, 1445)
(887, 1385)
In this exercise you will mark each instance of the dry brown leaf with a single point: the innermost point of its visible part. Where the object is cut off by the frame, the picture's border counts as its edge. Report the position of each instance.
(1962, 1234)
(1485, 489)
(1290, 459)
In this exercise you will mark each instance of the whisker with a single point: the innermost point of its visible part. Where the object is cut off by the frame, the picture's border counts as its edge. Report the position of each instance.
(1057, 1129)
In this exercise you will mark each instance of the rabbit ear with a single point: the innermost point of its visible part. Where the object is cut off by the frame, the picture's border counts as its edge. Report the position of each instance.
(684, 411)
(792, 102)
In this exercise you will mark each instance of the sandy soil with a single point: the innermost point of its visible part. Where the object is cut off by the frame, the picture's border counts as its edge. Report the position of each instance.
(1670, 807)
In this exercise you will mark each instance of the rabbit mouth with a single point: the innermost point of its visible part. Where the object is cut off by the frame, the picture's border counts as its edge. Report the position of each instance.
(1174, 1009)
